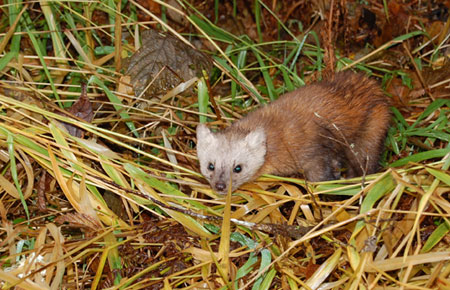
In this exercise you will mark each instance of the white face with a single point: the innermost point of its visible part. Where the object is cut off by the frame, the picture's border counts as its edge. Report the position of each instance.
(222, 157)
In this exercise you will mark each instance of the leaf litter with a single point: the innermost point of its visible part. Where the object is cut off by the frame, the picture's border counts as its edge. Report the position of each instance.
(113, 198)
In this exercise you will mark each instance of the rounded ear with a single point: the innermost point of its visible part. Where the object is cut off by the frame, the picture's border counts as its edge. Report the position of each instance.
(204, 134)
(256, 138)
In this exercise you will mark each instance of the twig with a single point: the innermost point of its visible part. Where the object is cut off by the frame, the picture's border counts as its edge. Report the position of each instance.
(291, 231)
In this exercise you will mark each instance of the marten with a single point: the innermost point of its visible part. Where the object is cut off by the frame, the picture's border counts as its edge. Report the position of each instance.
(320, 130)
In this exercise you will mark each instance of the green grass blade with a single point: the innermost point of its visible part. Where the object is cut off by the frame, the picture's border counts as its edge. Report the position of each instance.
(267, 79)
(438, 234)
(382, 187)
(203, 99)
(212, 30)
(436, 153)
(257, 15)
(266, 259)
(235, 75)
(117, 104)
(431, 109)
(14, 8)
(37, 48)
(13, 168)
(4, 61)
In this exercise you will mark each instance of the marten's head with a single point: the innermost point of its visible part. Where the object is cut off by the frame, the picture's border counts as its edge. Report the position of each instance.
(230, 156)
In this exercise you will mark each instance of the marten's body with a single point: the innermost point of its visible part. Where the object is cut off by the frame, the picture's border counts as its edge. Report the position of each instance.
(317, 129)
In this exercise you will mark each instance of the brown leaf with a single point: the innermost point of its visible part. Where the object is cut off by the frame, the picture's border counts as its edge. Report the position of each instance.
(398, 21)
(434, 30)
(164, 62)
(311, 269)
(42, 186)
(79, 220)
(114, 203)
(151, 6)
(437, 80)
(82, 109)
(399, 92)
(174, 15)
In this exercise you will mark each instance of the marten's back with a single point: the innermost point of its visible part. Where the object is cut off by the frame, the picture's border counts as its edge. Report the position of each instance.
(321, 128)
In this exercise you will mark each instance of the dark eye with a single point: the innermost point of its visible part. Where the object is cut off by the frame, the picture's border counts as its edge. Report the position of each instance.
(237, 169)
(211, 166)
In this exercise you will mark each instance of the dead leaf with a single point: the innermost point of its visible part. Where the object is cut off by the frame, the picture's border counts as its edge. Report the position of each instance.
(398, 91)
(434, 30)
(174, 15)
(79, 220)
(162, 63)
(114, 203)
(437, 80)
(82, 109)
(42, 185)
(151, 6)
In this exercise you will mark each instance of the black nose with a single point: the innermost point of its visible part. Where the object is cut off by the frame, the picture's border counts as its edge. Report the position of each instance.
(220, 186)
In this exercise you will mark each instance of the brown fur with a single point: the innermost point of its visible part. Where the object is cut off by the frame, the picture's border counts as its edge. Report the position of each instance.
(321, 128)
